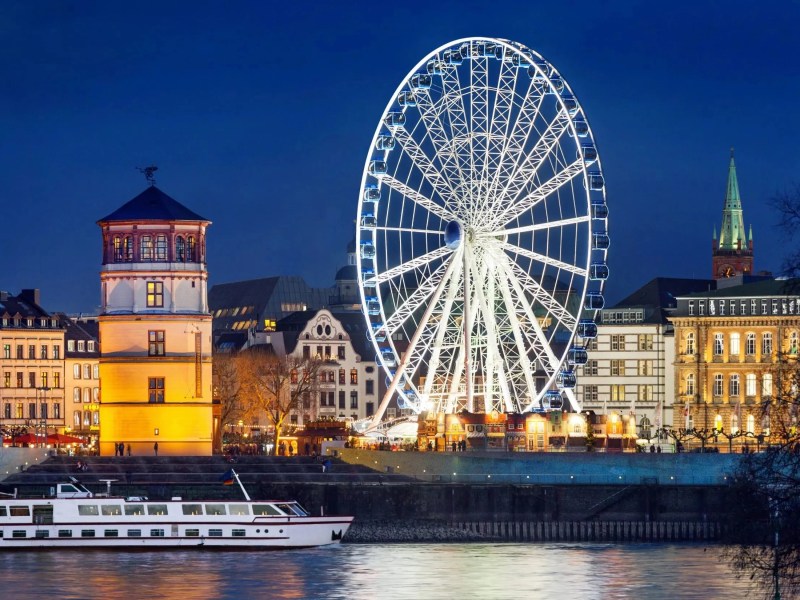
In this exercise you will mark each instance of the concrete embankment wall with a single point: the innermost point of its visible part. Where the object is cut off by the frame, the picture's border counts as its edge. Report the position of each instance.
(16, 460)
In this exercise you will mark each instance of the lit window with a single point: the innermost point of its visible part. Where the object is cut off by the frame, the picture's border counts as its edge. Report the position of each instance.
(146, 248)
(161, 248)
(155, 294)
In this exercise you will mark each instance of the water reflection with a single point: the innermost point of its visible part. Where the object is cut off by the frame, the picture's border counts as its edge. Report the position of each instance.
(463, 572)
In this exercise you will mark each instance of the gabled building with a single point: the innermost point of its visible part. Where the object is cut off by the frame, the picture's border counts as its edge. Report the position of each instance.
(82, 377)
(155, 328)
(630, 369)
(31, 364)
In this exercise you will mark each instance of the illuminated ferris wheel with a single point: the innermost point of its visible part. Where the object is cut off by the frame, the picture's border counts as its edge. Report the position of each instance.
(482, 233)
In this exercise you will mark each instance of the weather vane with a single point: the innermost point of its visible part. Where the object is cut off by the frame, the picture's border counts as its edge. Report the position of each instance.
(148, 173)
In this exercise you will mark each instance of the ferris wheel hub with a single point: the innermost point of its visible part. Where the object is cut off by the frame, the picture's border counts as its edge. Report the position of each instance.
(453, 235)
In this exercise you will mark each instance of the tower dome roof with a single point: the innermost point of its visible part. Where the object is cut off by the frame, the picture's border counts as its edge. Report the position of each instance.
(153, 205)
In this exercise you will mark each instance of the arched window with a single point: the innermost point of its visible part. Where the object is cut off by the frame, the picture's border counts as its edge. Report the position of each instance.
(76, 421)
(750, 344)
(180, 249)
(750, 384)
(766, 344)
(751, 423)
(734, 423)
(765, 424)
(118, 253)
(735, 345)
(146, 248)
(690, 384)
(718, 422)
(161, 248)
(766, 386)
(733, 385)
(190, 248)
(719, 343)
(690, 343)
(718, 384)
(793, 342)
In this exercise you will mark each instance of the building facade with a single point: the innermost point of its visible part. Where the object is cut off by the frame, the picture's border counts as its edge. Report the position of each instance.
(32, 367)
(630, 368)
(730, 346)
(155, 329)
(82, 379)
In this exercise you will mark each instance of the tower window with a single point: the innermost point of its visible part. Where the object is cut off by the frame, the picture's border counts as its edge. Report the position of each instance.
(155, 390)
(146, 248)
(155, 341)
(190, 248)
(180, 249)
(161, 248)
(155, 294)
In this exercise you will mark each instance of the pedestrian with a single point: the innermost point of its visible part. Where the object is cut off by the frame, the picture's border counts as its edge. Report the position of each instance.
(652, 448)
(122, 448)
(308, 448)
(155, 448)
(129, 449)
(454, 446)
(658, 449)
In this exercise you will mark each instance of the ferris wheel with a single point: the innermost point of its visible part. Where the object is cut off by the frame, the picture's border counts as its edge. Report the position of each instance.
(482, 233)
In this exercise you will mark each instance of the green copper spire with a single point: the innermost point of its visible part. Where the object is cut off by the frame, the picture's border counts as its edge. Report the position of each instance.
(732, 235)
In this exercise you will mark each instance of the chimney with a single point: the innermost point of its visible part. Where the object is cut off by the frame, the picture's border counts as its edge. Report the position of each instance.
(30, 296)
(3, 296)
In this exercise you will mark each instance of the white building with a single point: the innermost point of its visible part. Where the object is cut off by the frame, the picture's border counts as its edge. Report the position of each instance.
(630, 371)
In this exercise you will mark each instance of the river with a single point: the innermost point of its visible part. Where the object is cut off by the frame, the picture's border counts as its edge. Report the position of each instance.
(379, 572)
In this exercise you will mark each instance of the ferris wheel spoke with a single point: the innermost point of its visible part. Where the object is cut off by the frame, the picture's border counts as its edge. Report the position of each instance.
(416, 299)
(418, 198)
(512, 156)
(538, 226)
(436, 293)
(543, 191)
(479, 119)
(453, 106)
(542, 296)
(443, 148)
(543, 259)
(421, 161)
(411, 265)
(525, 171)
(380, 228)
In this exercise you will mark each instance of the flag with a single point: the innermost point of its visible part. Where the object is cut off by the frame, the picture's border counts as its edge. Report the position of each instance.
(227, 477)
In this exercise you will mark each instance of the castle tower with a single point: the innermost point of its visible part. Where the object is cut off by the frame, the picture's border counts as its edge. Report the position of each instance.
(155, 329)
(733, 254)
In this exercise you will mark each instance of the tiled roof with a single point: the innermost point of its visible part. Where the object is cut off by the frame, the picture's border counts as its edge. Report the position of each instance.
(152, 205)
(768, 287)
(660, 294)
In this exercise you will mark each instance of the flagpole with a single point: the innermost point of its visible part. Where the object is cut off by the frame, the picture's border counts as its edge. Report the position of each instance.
(239, 481)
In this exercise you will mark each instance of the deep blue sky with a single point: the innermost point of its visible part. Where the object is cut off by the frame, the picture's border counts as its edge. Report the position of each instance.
(259, 116)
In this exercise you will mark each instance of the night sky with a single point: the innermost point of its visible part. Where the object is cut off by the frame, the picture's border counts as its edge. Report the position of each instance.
(259, 117)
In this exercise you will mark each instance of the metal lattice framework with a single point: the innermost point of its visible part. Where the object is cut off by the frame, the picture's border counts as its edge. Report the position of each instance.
(482, 233)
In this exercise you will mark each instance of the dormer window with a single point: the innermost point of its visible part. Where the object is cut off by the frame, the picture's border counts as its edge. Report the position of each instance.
(90, 345)
(81, 346)
(43, 322)
(30, 322)
(70, 345)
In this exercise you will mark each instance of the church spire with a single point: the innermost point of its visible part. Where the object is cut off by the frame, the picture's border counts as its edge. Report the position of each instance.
(733, 252)
(732, 235)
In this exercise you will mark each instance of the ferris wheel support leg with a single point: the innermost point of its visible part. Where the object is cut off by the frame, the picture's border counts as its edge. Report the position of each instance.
(376, 419)
(467, 334)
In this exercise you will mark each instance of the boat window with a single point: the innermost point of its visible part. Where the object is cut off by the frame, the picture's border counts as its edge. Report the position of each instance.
(266, 509)
(298, 510)
(215, 533)
(111, 533)
(19, 511)
(87, 532)
(237, 533)
(2, 511)
(156, 533)
(134, 509)
(156, 509)
(238, 509)
(215, 509)
(192, 533)
(18, 533)
(87, 510)
(111, 509)
(67, 488)
(291, 509)
(134, 533)
(192, 509)
(65, 533)
(42, 533)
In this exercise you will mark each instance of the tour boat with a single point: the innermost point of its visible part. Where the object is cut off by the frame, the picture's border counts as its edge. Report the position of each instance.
(75, 517)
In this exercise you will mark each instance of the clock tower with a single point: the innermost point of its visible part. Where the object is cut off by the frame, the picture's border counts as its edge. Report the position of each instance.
(732, 254)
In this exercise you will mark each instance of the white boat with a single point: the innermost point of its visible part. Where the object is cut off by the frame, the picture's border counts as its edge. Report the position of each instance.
(75, 517)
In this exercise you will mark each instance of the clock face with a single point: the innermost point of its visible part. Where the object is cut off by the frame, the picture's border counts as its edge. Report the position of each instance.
(727, 271)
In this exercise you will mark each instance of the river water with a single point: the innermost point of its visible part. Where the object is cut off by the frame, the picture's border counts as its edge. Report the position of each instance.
(379, 572)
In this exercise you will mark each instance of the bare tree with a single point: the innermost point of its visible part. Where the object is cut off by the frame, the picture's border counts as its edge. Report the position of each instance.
(787, 204)
(227, 390)
(276, 385)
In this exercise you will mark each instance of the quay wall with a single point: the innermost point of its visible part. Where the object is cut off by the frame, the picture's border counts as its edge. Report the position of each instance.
(17, 460)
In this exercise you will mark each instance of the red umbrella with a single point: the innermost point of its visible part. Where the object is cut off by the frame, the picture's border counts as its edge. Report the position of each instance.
(25, 438)
(63, 438)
